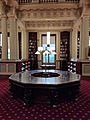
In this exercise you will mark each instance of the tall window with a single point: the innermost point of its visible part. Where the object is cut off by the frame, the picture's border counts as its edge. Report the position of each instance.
(48, 58)
(89, 38)
(8, 45)
(8, 38)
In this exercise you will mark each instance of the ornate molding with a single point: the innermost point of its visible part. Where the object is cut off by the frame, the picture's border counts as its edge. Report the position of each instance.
(44, 24)
(48, 6)
(48, 24)
(49, 14)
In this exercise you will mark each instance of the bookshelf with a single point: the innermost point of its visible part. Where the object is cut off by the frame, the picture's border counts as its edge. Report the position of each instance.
(78, 44)
(64, 50)
(32, 50)
(20, 44)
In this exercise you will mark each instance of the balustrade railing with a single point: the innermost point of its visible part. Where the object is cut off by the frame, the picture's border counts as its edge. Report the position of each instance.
(47, 1)
(24, 1)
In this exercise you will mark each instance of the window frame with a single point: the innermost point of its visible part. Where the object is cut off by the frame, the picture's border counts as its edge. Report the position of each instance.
(48, 55)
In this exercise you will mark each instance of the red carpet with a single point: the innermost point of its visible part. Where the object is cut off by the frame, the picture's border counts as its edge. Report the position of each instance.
(12, 109)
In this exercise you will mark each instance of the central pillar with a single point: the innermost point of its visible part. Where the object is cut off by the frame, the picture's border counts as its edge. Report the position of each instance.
(4, 37)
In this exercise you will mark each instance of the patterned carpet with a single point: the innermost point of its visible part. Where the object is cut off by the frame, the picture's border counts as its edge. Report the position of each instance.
(12, 109)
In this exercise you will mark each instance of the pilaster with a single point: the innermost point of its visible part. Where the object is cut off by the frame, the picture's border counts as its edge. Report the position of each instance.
(74, 43)
(4, 37)
(24, 44)
(13, 37)
(84, 36)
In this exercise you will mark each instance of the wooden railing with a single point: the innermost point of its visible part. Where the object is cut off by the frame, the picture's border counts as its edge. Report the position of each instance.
(47, 1)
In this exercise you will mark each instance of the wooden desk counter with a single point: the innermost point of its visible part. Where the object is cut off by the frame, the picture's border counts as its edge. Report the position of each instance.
(44, 89)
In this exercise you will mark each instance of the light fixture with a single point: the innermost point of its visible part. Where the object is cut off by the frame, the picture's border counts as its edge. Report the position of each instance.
(53, 52)
(40, 48)
(46, 52)
(37, 53)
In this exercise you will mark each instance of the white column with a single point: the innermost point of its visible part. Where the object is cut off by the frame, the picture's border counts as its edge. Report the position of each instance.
(4, 37)
(74, 43)
(13, 38)
(58, 49)
(84, 36)
(24, 45)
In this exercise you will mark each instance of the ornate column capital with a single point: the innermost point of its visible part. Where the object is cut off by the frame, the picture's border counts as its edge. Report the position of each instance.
(2, 8)
(12, 13)
(13, 4)
(9, 7)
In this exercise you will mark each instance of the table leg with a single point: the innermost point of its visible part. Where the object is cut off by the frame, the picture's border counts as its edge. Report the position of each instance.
(54, 97)
(28, 96)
